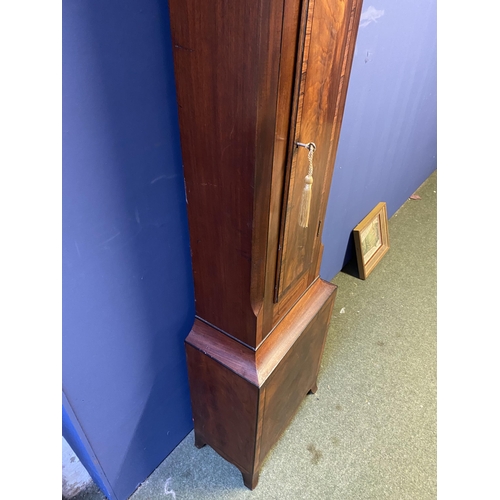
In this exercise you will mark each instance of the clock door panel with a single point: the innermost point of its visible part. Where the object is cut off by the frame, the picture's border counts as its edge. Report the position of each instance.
(319, 94)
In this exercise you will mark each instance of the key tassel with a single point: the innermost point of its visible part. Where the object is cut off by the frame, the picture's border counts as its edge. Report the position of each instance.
(305, 203)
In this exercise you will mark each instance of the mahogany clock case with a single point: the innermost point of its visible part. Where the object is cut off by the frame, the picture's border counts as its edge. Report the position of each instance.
(254, 78)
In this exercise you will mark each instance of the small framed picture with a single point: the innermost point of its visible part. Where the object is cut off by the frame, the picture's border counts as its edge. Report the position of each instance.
(371, 238)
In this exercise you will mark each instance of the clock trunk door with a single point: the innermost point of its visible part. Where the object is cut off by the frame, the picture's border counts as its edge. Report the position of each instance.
(319, 96)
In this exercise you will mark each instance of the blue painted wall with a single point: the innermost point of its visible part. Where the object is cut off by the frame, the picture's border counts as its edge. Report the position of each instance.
(127, 280)
(388, 141)
(127, 283)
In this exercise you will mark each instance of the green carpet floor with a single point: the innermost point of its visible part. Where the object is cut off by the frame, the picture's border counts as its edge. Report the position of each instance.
(369, 433)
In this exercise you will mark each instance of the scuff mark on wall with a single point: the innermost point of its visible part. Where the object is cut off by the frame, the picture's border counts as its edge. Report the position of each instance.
(156, 179)
(112, 238)
(370, 15)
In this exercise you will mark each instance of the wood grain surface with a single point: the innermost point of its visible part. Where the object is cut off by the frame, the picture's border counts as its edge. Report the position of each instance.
(253, 77)
(226, 61)
(330, 38)
(243, 399)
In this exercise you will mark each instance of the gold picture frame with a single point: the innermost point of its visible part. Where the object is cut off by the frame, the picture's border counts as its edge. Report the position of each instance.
(371, 239)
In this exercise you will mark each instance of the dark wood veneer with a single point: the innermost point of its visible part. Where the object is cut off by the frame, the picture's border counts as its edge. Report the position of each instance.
(242, 399)
(253, 77)
(226, 57)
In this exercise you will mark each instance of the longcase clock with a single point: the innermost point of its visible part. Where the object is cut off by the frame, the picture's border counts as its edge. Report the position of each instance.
(261, 87)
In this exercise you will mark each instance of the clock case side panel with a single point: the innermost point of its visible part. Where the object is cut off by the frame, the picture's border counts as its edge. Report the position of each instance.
(226, 62)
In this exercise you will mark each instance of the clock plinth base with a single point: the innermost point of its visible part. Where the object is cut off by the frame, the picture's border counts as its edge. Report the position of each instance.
(243, 399)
